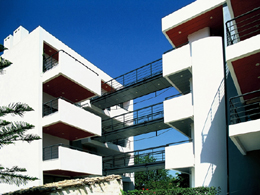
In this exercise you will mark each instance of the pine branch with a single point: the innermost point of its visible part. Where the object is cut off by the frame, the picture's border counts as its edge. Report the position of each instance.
(16, 132)
(2, 48)
(4, 123)
(10, 176)
(15, 109)
(4, 64)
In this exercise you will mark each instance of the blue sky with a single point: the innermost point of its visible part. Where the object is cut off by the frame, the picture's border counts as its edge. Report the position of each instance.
(115, 35)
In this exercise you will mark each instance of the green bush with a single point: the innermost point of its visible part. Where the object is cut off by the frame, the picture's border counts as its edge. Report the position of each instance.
(176, 191)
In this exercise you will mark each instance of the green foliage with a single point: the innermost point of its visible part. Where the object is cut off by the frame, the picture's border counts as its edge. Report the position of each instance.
(10, 176)
(4, 64)
(177, 191)
(157, 179)
(151, 179)
(11, 132)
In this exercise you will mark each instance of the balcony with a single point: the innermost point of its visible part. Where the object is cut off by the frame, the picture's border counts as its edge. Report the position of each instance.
(70, 161)
(177, 70)
(243, 27)
(68, 121)
(243, 51)
(180, 157)
(244, 128)
(178, 25)
(65, 76)
(178, 113)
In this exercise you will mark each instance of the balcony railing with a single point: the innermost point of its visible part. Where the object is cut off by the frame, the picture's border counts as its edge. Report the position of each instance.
(53, 60)
(138, 158)
(52, 152)
(144, 72)
(136, 117)
(52, 106)
(245, 107)
(243, 27)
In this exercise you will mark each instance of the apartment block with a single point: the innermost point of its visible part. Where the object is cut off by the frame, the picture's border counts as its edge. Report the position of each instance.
(58, 84)
(87, 128)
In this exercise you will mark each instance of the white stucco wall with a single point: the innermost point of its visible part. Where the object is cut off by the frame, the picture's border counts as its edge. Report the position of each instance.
(20, 83)
(209, 113)
(77, 161)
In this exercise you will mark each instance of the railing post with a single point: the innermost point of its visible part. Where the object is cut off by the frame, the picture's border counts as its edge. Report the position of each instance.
(151, 69)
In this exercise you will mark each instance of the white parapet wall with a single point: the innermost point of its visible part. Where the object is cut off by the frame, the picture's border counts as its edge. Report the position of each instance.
(75, 161)
(179, 156)
(176, 60)
(178, 108)
(74, 116)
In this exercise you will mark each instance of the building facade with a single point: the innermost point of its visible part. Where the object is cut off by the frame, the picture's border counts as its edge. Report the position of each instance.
(217, 53)
(58, 84)
(214, 65)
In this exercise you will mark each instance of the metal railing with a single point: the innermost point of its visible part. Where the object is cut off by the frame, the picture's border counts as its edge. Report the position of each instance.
(52, 152)
(53, 60)
(146, 156)
(135, 76)
(136, 117)
(52, 106)
(243, 26)
(245, 107)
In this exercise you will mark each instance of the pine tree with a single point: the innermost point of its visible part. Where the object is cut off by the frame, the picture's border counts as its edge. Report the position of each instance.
(11, 132)
(3, 62)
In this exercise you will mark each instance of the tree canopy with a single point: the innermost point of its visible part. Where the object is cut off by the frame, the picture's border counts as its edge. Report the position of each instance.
(157, 179)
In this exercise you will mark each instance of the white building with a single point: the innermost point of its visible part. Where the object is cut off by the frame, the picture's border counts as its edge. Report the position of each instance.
(214, 65)
(210, 39)
(57, 83)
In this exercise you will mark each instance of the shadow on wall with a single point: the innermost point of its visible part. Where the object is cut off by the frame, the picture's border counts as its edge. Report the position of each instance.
(214, 141)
